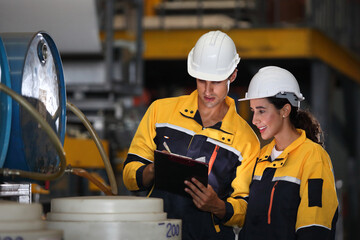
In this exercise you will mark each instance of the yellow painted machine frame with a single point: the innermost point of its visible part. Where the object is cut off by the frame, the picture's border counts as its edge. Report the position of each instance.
(83, 153)
(301, 43)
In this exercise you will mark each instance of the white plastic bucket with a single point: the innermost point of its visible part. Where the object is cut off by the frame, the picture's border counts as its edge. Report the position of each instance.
(20, 221)
(112, 217)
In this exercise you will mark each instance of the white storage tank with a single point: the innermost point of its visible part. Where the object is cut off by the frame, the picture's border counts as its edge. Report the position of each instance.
(111, 218)
(20, 221)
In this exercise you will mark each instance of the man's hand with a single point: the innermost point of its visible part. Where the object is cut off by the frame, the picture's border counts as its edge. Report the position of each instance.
(148, 175)
(205, 198)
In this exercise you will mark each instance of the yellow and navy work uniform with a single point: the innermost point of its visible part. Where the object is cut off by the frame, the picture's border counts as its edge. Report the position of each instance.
(293, 196)
(231, 143)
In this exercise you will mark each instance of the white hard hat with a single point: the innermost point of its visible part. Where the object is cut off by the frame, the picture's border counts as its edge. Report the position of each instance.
(214, 57)
(274, 81)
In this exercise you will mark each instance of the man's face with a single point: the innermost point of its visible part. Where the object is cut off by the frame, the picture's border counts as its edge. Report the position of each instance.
(211, 93)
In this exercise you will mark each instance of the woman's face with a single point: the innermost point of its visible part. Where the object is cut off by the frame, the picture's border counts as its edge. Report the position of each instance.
(266, 118)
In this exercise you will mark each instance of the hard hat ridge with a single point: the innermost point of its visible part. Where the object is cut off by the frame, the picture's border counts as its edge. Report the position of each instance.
(213, 58)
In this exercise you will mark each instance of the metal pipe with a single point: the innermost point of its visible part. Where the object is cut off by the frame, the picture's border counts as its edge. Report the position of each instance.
(109, 44)
(139, 44)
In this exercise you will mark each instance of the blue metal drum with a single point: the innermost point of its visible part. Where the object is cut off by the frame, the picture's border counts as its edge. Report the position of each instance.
(5, 106)
(36, 73)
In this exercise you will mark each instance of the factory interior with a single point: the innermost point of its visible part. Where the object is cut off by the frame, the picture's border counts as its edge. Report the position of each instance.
(112, 58)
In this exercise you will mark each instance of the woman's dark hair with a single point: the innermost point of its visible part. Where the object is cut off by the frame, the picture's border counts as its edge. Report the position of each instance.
(302, 119)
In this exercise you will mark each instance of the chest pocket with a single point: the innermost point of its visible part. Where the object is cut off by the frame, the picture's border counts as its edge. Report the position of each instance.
(176, 138)
(288, 196)
(218, 135)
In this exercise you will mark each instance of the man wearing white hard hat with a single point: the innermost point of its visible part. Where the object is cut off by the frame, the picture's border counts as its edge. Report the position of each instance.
(205, 126)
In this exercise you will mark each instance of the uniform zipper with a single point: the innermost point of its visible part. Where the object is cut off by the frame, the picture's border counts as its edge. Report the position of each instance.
(271, 202)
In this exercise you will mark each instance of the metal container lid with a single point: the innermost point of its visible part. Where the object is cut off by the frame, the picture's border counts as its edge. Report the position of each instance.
(107, 204)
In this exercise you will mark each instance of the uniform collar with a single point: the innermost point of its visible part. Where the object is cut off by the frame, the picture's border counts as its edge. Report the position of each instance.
(190, 107)
(266, 152)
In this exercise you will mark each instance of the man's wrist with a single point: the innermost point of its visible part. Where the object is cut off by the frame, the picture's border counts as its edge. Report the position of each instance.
(220, 209)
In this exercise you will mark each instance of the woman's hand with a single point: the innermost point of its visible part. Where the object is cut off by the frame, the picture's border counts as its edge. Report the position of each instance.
(205, 198)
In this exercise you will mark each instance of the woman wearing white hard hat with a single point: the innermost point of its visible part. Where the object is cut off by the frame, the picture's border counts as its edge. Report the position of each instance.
(292, 193)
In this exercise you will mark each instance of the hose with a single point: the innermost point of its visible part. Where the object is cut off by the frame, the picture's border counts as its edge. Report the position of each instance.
(58, 146)
(50, 132)
(83, 173)
(98, 143)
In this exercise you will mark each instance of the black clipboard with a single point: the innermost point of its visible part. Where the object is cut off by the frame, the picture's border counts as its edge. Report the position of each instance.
(171, 170)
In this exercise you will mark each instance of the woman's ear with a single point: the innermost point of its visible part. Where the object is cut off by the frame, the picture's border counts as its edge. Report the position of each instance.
(285, 111)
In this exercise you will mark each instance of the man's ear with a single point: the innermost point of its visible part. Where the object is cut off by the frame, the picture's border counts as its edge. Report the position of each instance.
(233, 76)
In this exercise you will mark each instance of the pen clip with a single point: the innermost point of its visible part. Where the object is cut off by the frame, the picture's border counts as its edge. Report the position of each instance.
(166, 147)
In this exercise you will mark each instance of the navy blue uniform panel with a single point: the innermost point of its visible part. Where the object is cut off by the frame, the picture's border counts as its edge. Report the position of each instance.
(273, 206)
(197, 146)
(177, 141)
